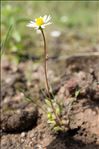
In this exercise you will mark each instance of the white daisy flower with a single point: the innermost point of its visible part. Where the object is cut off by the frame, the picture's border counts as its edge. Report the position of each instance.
(40, 22)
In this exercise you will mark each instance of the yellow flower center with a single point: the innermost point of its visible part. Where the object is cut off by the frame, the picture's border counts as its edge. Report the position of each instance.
(39, 21)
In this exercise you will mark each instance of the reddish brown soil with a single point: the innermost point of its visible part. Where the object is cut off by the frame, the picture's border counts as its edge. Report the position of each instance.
(24, 126)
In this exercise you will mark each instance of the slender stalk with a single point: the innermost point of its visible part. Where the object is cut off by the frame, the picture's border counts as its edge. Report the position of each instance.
(45, 64)
(46, 78)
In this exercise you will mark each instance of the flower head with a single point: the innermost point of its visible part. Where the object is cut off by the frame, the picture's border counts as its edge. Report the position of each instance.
(40, 22)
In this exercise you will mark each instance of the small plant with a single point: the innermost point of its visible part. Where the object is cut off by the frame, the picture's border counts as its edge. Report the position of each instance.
(54, 110)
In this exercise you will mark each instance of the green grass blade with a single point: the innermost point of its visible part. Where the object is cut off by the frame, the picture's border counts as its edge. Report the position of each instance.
(3, 44)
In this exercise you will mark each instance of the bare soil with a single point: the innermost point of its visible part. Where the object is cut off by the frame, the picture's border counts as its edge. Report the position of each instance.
(23, 124)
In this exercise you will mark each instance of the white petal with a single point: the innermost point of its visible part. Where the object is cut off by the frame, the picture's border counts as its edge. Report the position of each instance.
(43, 26)
(48, 19)
(37, 27)
(48, 23)
(29, 25)
(32, 24)
(41, 17)
(44, 18)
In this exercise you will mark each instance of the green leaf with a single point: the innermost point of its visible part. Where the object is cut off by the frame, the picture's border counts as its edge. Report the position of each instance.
(17, 36)
(57, 128)
(28, 99)
(77, 93)
(48, 102)
(4, 43)
(58, 110)
(49, 115)
(51, 122)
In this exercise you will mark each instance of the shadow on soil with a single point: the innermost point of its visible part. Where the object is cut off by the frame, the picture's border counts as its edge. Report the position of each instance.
(67, 141)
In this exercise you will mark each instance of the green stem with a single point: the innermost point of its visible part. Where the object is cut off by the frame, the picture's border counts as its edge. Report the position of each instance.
(46, 78)
(45, 64)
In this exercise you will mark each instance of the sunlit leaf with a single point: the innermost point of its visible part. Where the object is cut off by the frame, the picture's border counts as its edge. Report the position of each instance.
(48, 102)
(57, 128)
(16, 36)
(77, 93)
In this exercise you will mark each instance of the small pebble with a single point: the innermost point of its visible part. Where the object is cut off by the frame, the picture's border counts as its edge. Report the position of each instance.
(38, 146)
(22, 140)
(23, 134)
